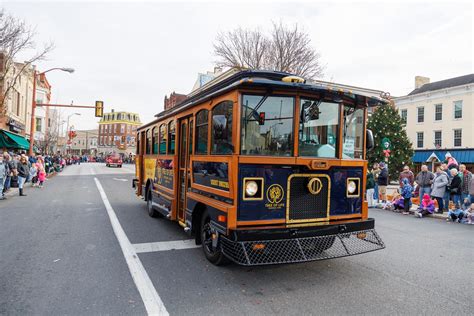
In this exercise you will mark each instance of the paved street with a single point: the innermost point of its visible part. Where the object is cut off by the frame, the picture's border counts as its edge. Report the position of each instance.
(59, 255)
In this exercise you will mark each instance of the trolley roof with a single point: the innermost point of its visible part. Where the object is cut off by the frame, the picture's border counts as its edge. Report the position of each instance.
(236, 78)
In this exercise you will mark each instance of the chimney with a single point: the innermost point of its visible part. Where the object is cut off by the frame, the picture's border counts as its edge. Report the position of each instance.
(420, 81)
(112, 110)
(217, 70)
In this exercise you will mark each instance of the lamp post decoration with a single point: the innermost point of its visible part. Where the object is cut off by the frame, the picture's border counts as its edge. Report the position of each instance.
(386, 147)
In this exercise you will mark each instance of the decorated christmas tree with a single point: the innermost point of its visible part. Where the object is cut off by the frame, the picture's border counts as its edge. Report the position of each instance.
(391, 140)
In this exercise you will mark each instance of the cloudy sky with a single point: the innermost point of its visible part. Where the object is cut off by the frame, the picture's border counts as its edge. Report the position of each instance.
(131, 54)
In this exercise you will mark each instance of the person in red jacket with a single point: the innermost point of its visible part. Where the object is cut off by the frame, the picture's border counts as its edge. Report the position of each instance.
(406, 173)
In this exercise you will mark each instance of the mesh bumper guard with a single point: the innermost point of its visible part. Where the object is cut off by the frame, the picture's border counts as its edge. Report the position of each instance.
(264, 252)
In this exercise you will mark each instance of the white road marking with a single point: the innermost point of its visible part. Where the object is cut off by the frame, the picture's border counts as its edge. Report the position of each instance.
(120, 179)
(165, 245)
(153, 303)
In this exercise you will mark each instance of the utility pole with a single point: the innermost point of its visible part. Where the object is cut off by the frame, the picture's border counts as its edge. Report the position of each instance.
(87, 142)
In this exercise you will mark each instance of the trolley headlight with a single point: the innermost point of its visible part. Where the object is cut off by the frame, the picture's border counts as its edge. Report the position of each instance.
(351, 187)
(251, 188)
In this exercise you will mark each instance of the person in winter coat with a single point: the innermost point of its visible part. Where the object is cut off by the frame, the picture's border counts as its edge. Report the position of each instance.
(470, 214)
(33, 175)
(438, 189)
(370, 189)
(3, 176)
(450, 161)
(455, 188)
(23, 172)
(424, 179)
(375, 172)
(406, 174)
(41, 171)
(407, 193)
(471, 189)
(455, 214)
(11, 171)
(466, 176)
(382, 181)
(397, 203)
(427, 206)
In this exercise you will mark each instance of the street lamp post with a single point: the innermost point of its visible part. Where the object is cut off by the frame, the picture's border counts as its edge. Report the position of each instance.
(67, 130)
(33, 104)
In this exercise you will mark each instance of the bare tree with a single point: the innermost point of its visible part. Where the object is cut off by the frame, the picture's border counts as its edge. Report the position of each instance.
(285, 49)
(16, 37)
(241, 48)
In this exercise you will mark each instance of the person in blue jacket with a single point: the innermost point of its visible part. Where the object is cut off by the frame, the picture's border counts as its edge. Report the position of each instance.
(407, 193)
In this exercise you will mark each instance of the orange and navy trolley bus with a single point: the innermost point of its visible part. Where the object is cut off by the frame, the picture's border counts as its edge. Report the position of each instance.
(263, 167)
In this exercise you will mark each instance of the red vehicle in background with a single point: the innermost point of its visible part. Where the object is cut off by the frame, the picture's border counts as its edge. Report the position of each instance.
(113, 160)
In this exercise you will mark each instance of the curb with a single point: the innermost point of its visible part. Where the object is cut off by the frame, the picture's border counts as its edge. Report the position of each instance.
(413, 211)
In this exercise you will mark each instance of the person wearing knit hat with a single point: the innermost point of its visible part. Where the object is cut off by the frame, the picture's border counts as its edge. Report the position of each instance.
(427, 206)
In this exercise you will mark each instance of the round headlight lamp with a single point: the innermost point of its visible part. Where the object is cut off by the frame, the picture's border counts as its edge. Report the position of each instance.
(351, 187)
(251, 188)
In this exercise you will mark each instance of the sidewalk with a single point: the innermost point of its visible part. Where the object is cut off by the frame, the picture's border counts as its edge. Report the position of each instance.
(14, 191)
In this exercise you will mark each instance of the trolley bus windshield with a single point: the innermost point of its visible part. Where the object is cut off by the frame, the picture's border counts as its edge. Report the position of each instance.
(319, 125)
(267, 128)
(267, 125)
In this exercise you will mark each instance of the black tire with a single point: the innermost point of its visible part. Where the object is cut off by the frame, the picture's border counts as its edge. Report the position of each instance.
(214, 255)
(151, 211)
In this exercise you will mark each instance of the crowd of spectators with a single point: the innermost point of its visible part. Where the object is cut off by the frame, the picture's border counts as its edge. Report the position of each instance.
(449, 189)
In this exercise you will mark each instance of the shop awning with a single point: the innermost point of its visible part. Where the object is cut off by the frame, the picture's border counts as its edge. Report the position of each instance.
(461, 155)
(11, 140)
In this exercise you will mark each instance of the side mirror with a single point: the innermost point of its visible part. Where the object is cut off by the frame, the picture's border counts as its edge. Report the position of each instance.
(370, 143)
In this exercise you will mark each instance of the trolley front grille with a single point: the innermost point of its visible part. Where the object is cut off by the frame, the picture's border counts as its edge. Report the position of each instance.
(308, 197)
(301, 249)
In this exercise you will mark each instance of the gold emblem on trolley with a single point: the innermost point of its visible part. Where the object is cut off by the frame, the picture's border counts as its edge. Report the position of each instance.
(275, 193)
(314, 186)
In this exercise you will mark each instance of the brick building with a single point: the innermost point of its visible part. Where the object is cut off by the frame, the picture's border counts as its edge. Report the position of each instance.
(117, 132)
(175, 98)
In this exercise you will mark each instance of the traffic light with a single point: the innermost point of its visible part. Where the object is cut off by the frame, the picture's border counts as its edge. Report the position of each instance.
(99, 108)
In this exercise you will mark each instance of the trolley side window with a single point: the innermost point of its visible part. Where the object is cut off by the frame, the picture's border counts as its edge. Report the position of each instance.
(148, 142)
(162, 146)
(171, 137)
(353, 134)
(202, 122)
(155, 140)
(221, 137)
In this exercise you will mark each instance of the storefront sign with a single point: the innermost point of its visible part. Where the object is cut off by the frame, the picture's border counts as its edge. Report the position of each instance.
(16, 126)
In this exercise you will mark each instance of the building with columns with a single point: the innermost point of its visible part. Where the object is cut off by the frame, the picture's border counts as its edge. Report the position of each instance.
(439, 119)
